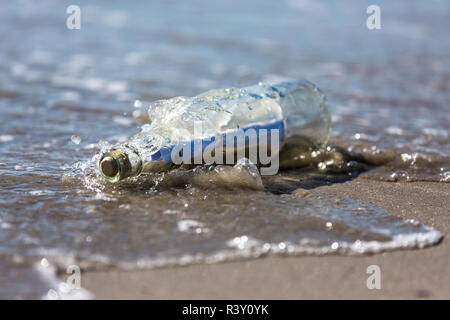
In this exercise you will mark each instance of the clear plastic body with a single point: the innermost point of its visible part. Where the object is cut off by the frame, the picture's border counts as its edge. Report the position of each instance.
(302, 106)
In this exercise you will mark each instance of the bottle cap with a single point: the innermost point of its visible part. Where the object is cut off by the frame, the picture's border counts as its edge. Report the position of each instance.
(114, 165)
(109, 167)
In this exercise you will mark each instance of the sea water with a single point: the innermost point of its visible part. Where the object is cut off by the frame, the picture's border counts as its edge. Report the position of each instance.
(67, 94)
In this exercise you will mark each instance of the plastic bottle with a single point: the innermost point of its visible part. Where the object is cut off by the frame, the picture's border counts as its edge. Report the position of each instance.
(297, 109)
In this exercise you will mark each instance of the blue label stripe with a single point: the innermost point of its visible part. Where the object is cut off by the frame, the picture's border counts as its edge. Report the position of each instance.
(164, 153)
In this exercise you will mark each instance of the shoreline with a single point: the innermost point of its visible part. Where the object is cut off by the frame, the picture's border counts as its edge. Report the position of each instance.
(405, 274)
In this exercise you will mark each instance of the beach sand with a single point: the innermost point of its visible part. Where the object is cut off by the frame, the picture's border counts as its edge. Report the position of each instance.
(405, 274)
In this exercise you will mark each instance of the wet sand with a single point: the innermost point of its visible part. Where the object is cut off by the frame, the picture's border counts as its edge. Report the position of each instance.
(408, 274)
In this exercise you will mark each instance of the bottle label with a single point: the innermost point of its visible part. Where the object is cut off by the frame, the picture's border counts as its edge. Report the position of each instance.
(256, 139)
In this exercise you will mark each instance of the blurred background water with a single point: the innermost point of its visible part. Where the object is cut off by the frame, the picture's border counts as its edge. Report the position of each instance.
(62, 91)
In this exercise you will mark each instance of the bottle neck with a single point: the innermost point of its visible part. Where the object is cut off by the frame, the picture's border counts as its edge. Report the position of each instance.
(119, 163)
